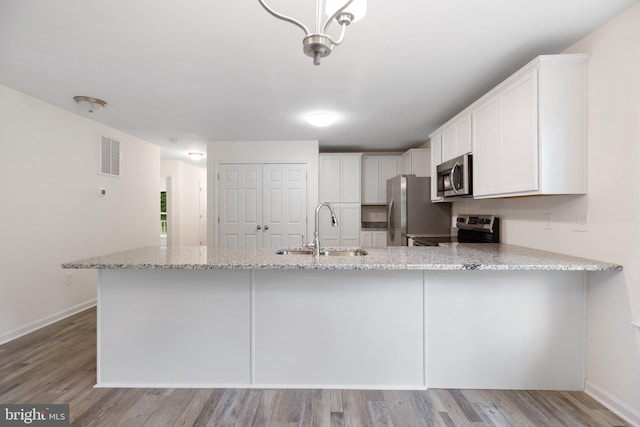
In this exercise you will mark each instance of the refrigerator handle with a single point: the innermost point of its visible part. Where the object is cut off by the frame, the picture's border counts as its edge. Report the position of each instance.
(391, 220)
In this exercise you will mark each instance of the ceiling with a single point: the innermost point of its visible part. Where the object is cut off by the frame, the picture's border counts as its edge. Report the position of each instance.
(224, 70)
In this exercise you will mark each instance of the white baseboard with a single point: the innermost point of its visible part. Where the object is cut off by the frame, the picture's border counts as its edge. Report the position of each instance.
(34, 326)
(612, 403)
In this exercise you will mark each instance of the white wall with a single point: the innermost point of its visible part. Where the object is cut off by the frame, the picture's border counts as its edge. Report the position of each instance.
(184, 201)
(51, 212)
(259, 152)
(612, 207)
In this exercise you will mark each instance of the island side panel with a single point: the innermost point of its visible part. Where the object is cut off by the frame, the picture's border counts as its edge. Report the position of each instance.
(173, 328)
(506, 329)
(339, 329)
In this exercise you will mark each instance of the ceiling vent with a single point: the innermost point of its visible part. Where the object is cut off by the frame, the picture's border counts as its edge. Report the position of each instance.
(109, 156)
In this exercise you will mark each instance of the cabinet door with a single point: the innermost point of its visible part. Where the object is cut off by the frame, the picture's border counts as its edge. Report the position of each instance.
(330, 168)
(240, 205)
(405, 163)
(329, 236)
(370, 180)
(463, 136)
(366, 239)
(487, 156)
(519, 148)
(379, 239)
(350, 223)
(350, 178)
(387, 168)
(456, 139)
(448, 143)
(284, 210)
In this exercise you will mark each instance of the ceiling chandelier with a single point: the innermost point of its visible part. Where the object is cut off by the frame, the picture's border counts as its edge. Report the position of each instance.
(319, 44)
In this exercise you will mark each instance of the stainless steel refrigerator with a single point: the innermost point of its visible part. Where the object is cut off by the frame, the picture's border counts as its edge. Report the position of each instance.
(410, 210)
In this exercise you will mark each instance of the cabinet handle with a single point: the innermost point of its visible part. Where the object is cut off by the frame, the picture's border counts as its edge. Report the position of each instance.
(266, 227)
(259, 227)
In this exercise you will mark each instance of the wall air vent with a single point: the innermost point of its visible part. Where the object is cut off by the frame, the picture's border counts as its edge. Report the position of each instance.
(109, 156)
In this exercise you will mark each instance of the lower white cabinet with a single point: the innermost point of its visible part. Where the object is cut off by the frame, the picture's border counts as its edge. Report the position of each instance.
(373, 239)
(347, 233)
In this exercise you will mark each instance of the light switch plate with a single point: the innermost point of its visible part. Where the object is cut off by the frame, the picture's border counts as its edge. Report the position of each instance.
(579, 223)
(548, 220)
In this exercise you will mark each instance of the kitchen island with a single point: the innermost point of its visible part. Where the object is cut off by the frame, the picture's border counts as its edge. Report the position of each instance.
(458, 316)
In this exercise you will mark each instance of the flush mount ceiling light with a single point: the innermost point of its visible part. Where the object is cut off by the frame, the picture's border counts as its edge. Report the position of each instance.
(319, 44)
(321, 119)
(196, 156)
(92, 105)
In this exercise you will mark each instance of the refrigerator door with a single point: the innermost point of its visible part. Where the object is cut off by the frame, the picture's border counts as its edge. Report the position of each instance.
(396, 211)
(423, 216)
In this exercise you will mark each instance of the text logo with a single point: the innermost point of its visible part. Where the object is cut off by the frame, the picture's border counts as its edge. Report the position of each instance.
(34, 415)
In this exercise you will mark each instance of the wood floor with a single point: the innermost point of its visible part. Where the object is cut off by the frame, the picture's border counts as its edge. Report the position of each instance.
(57, 365)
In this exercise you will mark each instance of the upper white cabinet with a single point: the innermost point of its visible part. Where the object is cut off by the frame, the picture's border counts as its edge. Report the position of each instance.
(456, 138)
(529, 133)
(416, 161)
(340, 177)
(375, 172)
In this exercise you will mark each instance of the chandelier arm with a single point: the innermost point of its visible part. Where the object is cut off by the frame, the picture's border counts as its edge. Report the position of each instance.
(285, 17)
(342, 33)
(338, 12)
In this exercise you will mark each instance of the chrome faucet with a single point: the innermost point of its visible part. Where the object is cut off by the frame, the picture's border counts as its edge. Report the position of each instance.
(316, 233)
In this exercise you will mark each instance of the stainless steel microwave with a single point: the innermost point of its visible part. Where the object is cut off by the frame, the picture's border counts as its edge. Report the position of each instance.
(454, 177)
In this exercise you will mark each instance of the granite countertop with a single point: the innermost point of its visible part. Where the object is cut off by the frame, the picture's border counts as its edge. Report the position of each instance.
(453, 256)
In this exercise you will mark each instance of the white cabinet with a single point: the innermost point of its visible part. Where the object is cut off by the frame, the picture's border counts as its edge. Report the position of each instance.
(340, 185)
(416, 161)
(436, 159)
(347, 233)
(373, 239)
(375, 172)
(529, 133)
(340, 178)
(456, 138)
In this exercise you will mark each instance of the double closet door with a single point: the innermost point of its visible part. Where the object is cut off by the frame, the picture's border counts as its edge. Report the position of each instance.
(262, 205)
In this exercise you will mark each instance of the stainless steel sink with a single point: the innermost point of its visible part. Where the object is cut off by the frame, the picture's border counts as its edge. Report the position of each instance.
(295, 251)
(323, 252)
(343, 252)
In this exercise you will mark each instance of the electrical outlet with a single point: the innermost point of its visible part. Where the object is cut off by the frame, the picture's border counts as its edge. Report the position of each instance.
(548, 219)
(579, 223)
(68, 279)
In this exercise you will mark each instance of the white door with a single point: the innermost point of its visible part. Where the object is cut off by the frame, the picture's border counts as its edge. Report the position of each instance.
(240, 205)
(284, 212)
(262, 205)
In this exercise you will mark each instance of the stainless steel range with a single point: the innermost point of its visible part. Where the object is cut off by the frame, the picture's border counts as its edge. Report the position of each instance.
(471, 229)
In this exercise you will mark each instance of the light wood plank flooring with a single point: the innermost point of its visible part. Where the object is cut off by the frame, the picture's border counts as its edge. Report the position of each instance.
(57, 364)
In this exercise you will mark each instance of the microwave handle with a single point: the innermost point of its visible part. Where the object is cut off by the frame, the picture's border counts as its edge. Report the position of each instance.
(452, 174)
